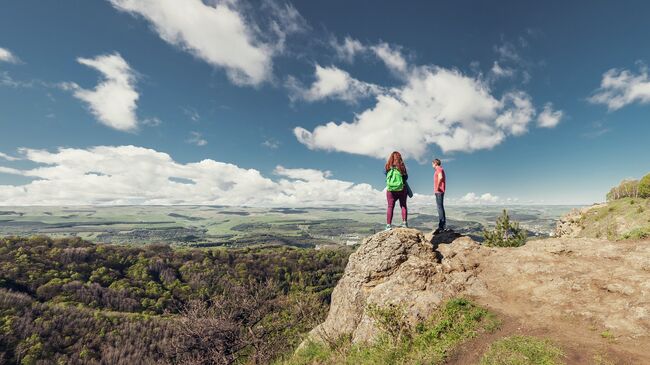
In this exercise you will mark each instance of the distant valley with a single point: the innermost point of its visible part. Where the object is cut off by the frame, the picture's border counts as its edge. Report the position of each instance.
(213, 226)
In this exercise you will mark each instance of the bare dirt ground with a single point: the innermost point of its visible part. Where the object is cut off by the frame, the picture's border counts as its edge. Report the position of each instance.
(591, 297)
(579, 346)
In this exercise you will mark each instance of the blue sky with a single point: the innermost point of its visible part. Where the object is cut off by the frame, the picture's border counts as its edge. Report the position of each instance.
(299, 103)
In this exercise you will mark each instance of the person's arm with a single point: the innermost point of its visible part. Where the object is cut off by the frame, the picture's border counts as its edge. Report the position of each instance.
(406, 177)
(436, 181)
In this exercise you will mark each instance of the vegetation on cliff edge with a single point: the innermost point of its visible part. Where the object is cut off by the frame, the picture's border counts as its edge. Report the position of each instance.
(429, 342)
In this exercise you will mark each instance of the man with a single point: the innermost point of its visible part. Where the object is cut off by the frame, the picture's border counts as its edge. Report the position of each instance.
(439, 185)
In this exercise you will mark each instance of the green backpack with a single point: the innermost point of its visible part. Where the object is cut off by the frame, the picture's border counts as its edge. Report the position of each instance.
(394, 181)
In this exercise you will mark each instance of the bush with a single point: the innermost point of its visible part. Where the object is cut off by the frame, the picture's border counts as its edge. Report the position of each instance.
(505, 233)
(644, 187)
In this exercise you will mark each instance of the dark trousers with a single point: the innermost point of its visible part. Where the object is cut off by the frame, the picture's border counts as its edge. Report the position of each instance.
(442, 219)
(391, 197)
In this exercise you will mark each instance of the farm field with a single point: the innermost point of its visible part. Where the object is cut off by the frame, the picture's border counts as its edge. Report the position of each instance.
(205, 226)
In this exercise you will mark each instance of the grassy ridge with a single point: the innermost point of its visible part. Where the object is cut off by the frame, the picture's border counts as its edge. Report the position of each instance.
(626, 218)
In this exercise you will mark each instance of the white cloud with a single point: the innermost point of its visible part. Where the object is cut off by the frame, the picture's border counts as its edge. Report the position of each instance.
(348, 49)
(113, 101)
(519, 111)
(196, 138)
(508, 52)
(549, 118)
(216, 33)
(435, 106)
(501, 72)
(619, 88)
(486, 198)
(136, 175)
(332, 83)
(152, 121)
(192, 113)
(284, 20)
(598, 128)
(7, 56)
(391, 56)
(7, 157)
(271, 143)
(302, 174)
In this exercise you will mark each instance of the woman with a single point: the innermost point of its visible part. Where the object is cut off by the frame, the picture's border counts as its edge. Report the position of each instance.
(395, 172)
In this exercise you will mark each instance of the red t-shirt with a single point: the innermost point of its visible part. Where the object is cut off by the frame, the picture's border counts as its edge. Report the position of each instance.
(439, 184)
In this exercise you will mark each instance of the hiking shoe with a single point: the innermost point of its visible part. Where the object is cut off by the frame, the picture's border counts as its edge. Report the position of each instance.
(437, 231)
(404, 225)
(388, 227)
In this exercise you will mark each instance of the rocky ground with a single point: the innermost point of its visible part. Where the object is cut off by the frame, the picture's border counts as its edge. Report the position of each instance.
(591, 296)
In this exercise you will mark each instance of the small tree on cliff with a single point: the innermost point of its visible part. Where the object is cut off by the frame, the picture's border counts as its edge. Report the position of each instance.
(505, 233)
(644, 187)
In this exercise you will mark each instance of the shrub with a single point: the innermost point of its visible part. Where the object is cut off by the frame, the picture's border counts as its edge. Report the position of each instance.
(505, 233)
(644, 187)
(391, 319)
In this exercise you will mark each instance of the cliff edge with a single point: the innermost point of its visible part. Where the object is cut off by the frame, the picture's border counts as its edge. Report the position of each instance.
(569, 288)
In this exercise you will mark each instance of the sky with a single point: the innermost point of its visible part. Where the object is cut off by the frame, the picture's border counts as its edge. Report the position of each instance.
(278, 103)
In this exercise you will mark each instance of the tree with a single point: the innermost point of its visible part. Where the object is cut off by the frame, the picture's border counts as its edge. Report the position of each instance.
(505, 233)
(644, 187)
(626, 189)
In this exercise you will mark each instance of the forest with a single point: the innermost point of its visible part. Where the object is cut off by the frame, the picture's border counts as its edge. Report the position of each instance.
(68, 301)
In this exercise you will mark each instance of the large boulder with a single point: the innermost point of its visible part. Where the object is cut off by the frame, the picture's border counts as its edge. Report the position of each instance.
(403, 268)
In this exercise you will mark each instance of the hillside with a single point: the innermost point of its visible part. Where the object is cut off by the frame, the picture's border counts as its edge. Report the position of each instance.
(625, 218)
(68, 301)
(588, 296)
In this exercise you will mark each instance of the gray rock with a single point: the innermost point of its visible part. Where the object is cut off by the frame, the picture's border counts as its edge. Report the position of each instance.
(397, 267)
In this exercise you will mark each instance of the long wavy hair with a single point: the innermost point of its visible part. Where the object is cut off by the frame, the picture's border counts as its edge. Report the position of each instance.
(395, 160)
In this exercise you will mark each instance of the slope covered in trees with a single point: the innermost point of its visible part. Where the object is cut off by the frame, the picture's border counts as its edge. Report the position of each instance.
(69, 301)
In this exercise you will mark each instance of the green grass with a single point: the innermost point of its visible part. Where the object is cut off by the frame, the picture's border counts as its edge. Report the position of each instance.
(430, 342)
(625, 218)
(637, 234)
(607, 334)
(522, 350)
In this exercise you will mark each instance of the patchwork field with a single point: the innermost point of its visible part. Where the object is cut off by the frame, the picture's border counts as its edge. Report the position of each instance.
(205, 226)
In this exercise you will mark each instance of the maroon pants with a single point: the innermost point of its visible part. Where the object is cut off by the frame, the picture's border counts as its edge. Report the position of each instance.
(392, 197)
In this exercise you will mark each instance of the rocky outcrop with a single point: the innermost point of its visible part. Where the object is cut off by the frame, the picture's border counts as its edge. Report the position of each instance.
(565, 284)
(398, 267)
(571, 224)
